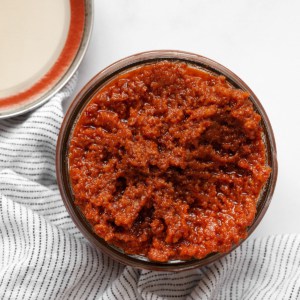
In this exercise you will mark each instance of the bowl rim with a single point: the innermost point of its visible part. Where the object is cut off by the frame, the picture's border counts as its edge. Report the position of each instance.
(84, 96)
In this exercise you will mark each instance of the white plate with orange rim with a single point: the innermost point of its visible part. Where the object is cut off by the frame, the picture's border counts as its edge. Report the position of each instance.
(42, 45)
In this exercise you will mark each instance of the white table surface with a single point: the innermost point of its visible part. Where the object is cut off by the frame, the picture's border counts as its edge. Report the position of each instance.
(259, 40)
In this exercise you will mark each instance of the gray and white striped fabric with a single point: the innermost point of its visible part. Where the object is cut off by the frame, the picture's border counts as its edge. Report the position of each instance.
(44, 256)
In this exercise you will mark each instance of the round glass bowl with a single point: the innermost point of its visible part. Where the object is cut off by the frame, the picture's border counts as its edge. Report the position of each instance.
(83, 98)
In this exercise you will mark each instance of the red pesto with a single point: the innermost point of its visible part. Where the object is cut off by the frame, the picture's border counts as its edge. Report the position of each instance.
(168, 161)
(62, 63)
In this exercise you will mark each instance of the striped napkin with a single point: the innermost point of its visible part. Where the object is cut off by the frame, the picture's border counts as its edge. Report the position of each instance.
(44, 256)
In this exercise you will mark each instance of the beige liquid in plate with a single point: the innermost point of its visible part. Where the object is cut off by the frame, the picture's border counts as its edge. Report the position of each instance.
(32, 36)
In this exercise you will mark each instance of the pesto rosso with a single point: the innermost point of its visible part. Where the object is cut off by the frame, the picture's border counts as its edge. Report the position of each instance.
(167, 161)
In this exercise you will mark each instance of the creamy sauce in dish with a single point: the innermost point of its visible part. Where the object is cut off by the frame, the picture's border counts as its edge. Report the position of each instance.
(39, 43)
(32, 35)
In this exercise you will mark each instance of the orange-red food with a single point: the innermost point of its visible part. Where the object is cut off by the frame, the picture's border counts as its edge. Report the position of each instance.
(167, 161)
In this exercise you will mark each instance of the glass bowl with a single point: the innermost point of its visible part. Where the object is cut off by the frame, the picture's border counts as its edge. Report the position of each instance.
(85, 96)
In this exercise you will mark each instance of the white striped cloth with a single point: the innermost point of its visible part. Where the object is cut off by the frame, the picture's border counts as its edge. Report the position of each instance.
(44, 256)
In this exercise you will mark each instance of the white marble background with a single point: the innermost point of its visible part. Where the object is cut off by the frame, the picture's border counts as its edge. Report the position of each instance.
(259, 40)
